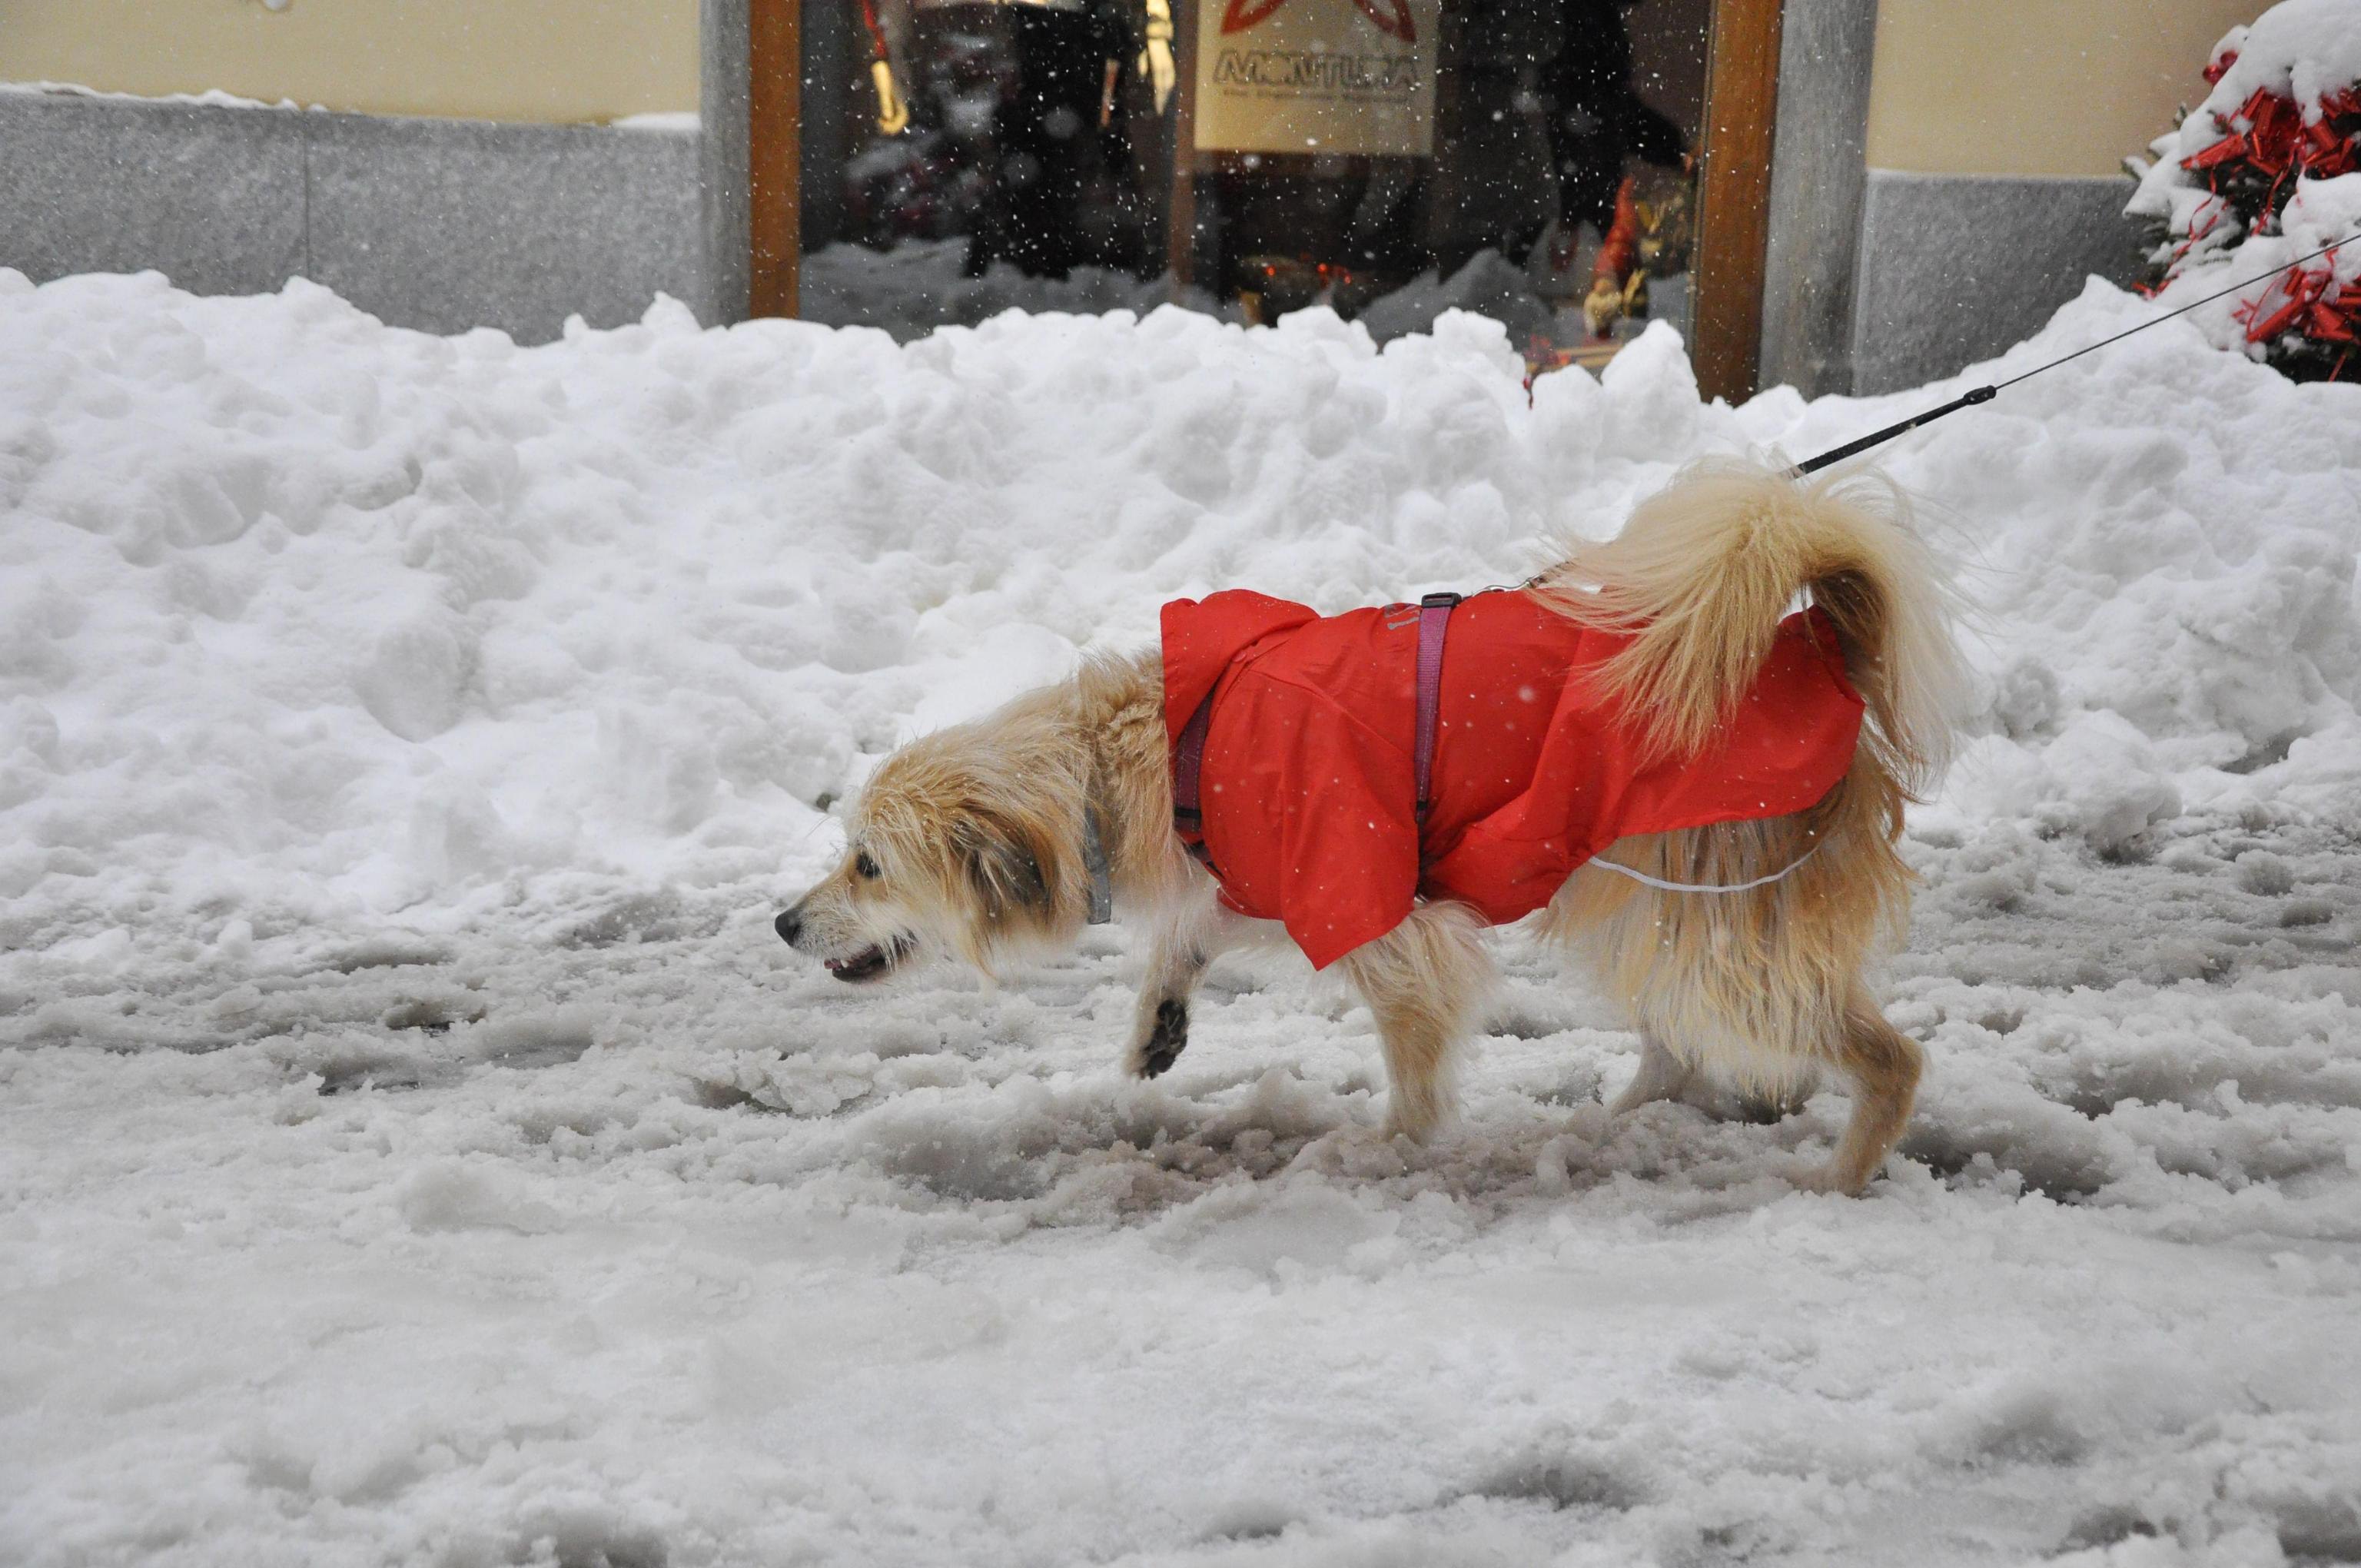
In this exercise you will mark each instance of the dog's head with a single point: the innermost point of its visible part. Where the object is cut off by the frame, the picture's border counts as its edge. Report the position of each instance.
(951, 847)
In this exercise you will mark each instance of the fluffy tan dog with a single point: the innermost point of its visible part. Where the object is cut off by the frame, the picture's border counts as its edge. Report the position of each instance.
(972, 840)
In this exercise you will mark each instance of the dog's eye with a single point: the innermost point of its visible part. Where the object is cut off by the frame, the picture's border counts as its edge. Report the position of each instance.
(866, 866)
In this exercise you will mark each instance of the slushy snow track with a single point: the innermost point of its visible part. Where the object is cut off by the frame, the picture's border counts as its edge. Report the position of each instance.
(416, 1147)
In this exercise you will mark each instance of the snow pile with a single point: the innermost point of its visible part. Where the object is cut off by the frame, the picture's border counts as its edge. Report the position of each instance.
(415, 1146)
(2264, 174)
(305, 620)
(922, 284)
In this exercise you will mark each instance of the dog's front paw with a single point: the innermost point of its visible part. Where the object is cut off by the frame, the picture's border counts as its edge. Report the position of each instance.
(1166, 1035)
(1829, 1178)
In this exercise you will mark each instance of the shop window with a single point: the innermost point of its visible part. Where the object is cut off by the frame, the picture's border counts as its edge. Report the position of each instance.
(1531, 159)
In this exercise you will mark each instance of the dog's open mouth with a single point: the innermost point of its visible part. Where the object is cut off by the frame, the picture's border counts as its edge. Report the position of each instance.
(869, 963)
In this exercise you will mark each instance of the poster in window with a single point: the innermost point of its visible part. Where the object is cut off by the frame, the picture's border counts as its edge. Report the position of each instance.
(1317, 76)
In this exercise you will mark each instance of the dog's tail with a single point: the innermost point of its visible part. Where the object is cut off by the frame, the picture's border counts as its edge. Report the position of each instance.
(1703, 572)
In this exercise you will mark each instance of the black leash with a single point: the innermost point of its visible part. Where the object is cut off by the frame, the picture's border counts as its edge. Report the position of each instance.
(1986, 394)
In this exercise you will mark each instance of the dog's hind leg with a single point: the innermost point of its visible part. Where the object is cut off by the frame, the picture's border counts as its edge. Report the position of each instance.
(1183, 945)
(1662, 1075)
(1425, 979)
(1883, 1065)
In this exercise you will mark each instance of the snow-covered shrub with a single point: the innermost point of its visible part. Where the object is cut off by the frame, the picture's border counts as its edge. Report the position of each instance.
(2265, 170)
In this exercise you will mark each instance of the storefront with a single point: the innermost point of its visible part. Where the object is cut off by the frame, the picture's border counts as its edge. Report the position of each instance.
(1574, 169)
(1838, 194)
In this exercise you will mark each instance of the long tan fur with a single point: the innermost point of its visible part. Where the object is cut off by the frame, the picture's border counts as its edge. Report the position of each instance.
(1765, 986)
(1705, 569)
(976, 830)
(970, 839)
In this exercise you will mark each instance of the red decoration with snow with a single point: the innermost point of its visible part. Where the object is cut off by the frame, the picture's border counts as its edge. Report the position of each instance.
(2268, 169)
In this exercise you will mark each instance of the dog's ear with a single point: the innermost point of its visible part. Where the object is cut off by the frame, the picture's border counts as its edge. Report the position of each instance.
(1005, 868)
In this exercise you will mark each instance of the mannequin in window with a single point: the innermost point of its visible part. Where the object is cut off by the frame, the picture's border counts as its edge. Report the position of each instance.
(1599, 125)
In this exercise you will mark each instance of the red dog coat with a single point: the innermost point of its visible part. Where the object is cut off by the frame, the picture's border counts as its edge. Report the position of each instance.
(1308, 783)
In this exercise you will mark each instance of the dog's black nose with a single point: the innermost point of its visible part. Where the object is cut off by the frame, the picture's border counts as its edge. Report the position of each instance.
(790, 927)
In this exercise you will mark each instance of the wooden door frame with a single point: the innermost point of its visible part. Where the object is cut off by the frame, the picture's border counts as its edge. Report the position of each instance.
(1742, 107)
(775, 73)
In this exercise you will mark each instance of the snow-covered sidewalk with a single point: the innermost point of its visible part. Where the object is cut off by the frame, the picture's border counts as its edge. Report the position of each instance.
(416, 1147)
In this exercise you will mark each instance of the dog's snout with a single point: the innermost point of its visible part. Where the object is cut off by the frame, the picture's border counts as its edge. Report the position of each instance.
(790, 926)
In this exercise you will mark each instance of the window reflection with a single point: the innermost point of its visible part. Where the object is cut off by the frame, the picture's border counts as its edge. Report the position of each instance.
(1388, 158)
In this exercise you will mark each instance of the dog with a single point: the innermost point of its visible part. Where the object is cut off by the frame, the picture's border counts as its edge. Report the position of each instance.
(1736, 946)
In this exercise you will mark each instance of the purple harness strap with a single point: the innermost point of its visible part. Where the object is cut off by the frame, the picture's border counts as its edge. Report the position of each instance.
(1433, 621)
(1188, 762)
(1189, 757)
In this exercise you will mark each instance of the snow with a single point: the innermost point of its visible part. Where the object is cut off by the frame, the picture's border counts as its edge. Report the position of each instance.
(921, 284)
(668, 122)
(416, 1147)
(211, 98)
(2301, 49)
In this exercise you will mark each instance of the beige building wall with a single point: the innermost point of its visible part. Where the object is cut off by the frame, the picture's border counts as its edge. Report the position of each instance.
(2058, 87)
(558, 61)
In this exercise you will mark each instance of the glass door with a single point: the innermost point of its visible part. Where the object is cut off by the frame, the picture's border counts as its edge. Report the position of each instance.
(1534, 161)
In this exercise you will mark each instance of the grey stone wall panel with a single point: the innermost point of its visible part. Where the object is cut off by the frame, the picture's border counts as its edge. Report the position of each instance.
(1818, 170)
(444, 224)
(725, 97)
(439, 225)
(1955, 267)
(210, 197)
